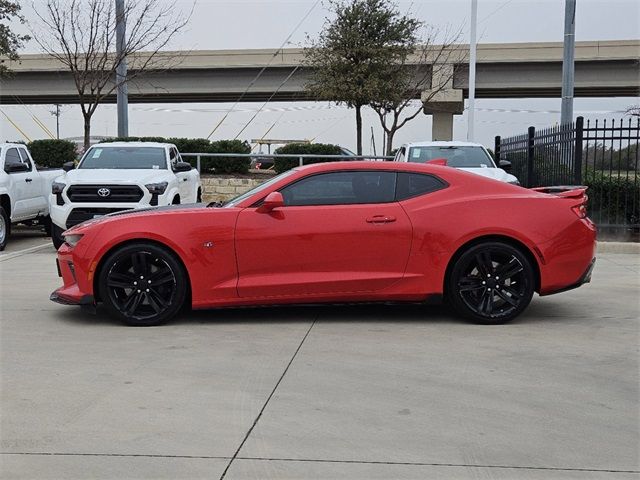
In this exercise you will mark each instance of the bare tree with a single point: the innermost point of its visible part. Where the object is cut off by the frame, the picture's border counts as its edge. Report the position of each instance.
(81, 34)
(423, 73)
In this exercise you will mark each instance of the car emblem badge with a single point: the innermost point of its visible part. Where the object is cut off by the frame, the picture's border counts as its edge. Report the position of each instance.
(104, 192)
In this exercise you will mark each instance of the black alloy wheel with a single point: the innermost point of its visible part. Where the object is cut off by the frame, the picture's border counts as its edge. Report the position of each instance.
(142, 284)
(491, 283)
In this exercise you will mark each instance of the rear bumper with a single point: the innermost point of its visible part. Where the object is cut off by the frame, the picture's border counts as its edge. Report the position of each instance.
(585, 278)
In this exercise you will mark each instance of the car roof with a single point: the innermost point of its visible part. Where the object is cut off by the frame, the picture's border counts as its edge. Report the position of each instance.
(443, 144)
(370, 165)
(133, 144)
(8, 144)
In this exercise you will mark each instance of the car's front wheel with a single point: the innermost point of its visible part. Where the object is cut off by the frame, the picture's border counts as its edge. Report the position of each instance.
(142, 284)
(5, 228)
(491, 283)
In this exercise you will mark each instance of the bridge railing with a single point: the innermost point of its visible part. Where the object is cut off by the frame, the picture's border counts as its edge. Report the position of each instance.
(301, 159)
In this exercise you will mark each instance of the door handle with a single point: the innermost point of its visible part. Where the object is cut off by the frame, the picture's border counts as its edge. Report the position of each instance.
(381, 219)
(28, 180)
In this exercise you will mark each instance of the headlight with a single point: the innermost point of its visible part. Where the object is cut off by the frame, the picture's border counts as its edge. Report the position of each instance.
(72, 239)
(57, 188)
(157, 188)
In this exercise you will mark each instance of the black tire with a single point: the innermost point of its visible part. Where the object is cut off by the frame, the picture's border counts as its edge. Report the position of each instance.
(47, 225)
(491, 283)
(138, 265)
(5, 228)
(56, 236)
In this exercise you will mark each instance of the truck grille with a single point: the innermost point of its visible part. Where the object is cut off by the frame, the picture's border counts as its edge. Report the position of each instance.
(104, 193)
(79, 215)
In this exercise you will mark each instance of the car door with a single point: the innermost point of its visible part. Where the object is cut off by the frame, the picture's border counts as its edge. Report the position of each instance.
(35, 202)
(184, 179)
(19, 184)
(338, 232)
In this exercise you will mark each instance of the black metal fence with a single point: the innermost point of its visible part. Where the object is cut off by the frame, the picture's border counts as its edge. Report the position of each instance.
(601, 154)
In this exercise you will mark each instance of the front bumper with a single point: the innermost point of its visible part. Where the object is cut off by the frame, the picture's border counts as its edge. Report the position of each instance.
(76, 289)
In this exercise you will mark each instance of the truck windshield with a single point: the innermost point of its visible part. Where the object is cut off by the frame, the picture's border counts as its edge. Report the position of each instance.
(124, 158)
(460, 157)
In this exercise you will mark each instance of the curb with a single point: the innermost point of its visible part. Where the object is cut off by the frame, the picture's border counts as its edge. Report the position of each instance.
(619, 247)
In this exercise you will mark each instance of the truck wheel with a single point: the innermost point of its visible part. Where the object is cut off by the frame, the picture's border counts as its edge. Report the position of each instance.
(46, 223)
(5, 228)
(56, 236)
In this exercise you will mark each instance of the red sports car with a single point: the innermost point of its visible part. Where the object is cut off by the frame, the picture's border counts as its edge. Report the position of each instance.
(335, 233)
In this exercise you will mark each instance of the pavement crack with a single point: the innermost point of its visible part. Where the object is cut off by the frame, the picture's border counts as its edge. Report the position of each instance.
(438, 464)
(76, 454)
(255, 422)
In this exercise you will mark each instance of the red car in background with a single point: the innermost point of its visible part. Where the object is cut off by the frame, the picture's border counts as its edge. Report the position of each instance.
(334, 233)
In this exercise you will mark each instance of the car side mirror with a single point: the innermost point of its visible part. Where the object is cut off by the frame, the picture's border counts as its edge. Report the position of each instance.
(182, 167)
(68, 166)
(17, 167)
(273, 200)
(505, 165)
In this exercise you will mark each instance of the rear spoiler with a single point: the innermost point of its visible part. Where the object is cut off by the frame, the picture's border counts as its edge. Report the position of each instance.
(569, 191)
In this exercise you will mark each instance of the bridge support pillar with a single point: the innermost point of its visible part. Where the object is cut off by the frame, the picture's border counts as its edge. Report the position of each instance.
(443, 104)
(442, 128)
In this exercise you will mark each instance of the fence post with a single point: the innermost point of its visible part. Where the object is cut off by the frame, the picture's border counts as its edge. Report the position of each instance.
(301, 161)
(198, 164)
(496, 149)
(530, 156)
(578, 150)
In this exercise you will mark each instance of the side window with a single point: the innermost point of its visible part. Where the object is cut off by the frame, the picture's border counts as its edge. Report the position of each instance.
(400, 155)
(25, 158)
(342, 188)
(414, 184)
(12, 157)
(172, 156)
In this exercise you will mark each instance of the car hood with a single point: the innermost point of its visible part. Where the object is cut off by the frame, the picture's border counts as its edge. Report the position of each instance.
(139, 211)
(115, 176)
(494, 173)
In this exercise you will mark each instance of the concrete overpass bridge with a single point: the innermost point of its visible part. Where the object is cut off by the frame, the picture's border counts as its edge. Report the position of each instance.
(510, 70)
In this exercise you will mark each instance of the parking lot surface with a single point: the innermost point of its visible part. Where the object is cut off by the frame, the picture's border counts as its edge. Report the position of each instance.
(370, 392)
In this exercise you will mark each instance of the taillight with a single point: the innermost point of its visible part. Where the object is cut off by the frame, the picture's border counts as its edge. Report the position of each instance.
(580, 211)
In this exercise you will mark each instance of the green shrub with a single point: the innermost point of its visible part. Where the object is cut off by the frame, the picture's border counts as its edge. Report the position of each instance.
(284, 164)
(613, 200)
(226, 164)
(136, 139)
(52, 153)
(190, 145)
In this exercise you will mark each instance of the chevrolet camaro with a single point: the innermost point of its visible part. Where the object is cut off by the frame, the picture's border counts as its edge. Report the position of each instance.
(337, 233)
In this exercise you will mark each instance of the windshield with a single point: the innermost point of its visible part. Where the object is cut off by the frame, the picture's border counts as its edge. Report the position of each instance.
(460, 157)
(263, 186)
(124, 158)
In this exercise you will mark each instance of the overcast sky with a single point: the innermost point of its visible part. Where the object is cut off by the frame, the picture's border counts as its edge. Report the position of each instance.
(234, 24)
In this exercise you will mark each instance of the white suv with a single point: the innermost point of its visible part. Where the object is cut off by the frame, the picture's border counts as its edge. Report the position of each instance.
(117, 176)
(471, 157)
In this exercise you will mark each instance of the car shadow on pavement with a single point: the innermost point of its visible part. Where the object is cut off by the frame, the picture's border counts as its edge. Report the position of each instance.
(538, 311)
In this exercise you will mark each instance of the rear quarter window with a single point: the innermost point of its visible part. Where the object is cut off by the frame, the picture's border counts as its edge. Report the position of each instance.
(415, 184)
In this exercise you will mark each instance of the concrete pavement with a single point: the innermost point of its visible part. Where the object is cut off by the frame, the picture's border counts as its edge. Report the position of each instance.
(321, 392)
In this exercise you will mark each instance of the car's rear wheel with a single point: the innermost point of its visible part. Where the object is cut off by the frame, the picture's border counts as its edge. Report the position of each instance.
(142, 284)
(491, 283)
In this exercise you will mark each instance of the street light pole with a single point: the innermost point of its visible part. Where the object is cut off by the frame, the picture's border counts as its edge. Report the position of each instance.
(122, 93)
(568, 67)
(472, 71)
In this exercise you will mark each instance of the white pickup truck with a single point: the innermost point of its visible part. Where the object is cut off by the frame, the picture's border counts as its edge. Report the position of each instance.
(24, 190)
(117, 176)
